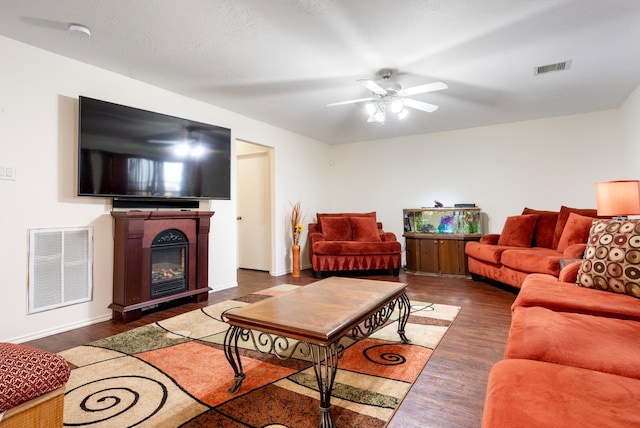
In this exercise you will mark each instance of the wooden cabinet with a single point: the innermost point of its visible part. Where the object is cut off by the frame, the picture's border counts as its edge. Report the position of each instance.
(438, 254)
(435, 238)
(429, 255)
(412, 251)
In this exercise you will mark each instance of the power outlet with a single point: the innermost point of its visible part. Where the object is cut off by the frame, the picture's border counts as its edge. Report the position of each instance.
(7, 171)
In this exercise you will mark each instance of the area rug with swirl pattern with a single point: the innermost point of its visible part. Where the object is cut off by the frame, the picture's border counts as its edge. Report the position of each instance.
(174, 373)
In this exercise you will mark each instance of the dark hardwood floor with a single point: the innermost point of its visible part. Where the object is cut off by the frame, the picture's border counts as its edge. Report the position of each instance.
(450, 390)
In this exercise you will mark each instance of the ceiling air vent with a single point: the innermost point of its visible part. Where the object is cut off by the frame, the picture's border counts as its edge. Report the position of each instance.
(559, 66)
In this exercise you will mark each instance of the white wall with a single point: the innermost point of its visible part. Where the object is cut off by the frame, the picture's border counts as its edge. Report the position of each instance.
(631, 135)
(38, 134)
(541, 164)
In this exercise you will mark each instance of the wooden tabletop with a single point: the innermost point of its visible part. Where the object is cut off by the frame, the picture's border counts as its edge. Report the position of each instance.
(318, 313)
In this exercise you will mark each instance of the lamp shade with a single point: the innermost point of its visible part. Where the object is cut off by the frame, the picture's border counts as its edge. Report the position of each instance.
(618, 198)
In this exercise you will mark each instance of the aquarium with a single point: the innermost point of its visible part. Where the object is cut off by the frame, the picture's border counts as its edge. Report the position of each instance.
(447, 220)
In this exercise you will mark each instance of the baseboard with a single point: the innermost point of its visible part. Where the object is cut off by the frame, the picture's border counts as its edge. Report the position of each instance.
(68, 327)
(223, 287)
(106, 317)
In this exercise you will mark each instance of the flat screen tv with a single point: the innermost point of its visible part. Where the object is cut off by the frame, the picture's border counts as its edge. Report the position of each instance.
(125, 152)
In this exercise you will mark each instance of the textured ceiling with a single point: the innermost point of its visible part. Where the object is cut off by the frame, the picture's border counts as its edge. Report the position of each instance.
(282, 61)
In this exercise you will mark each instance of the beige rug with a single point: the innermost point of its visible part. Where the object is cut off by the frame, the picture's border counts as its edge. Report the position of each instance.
(174, 373)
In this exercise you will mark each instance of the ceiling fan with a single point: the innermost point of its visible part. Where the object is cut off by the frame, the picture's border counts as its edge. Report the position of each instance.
(388, 96)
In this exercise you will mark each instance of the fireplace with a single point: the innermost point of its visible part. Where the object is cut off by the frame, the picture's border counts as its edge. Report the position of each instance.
(169, 263)
(159, 256)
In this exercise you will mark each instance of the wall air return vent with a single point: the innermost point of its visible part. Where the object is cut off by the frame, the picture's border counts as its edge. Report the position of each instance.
(559, 66)
(60, 267)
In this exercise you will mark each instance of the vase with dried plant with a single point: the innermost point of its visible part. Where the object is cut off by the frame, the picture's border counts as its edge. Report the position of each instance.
(296, 231)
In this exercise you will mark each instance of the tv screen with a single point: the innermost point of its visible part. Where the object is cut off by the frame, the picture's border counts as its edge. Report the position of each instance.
(126, 152)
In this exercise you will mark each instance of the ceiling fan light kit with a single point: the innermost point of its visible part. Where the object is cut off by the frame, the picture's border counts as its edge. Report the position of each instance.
(397, 106)
(378, 111)
(389, 96)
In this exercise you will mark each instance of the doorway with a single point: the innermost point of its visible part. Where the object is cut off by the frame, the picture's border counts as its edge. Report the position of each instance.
(254, 205)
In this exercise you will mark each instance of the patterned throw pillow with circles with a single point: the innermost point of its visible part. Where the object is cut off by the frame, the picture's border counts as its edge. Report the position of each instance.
(612, 257)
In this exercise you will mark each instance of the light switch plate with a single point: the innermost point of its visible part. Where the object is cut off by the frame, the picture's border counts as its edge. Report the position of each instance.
(7, 171)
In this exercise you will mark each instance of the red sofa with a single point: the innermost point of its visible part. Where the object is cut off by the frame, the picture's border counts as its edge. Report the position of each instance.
(352, 242)
(571, 357)
(533, 242)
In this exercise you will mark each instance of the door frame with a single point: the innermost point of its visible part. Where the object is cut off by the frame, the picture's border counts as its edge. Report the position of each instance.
(247, 148)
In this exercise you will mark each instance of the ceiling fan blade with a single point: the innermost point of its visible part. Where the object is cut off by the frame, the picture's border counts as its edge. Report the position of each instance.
(421, 89)
(359, 100)
(373, 86)
(419, 105)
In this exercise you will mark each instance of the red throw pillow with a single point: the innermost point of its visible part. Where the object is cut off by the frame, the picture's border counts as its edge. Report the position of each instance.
(545, 227)
(365, 229)
(518, 230)
(564, 216)
(321, 216)
(576, 231)
(336, 228)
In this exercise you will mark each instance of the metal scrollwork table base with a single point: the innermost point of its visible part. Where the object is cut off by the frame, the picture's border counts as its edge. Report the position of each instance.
(309, 322)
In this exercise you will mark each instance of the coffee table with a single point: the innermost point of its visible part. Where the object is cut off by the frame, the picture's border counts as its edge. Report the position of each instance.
(315, 317)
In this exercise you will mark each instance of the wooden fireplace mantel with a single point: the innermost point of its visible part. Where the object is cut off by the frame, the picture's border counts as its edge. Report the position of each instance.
(134, 233)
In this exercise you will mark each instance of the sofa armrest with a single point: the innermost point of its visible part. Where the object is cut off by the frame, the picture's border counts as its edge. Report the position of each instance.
(312, 238)
(316, 237)
(388, 236)
(575, 251)
(570, 272)
(491, 238)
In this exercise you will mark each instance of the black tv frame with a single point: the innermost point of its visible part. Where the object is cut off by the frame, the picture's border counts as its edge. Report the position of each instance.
(125, 200)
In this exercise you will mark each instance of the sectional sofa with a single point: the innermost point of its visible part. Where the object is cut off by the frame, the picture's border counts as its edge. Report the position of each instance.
(534, 242)
(571, 357)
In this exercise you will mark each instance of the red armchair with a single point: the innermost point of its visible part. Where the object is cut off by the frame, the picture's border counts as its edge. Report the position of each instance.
(352, 242)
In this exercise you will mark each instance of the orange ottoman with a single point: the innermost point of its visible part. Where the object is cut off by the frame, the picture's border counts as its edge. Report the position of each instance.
(529, 394)
(547, 291)
(597, 343)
